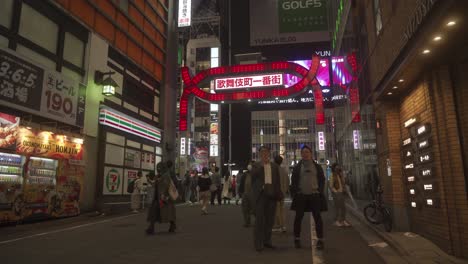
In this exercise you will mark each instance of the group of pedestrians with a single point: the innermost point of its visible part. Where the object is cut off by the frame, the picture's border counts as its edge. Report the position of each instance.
(262, 189)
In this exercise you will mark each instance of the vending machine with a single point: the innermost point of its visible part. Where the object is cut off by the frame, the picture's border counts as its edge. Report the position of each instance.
(11, 187)
(40, 185)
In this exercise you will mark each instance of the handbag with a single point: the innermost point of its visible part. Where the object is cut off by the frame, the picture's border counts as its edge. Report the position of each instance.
(213, 187)
(173, 193)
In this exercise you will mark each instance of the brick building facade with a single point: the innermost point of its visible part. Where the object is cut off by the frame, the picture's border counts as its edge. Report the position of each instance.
(416, 67)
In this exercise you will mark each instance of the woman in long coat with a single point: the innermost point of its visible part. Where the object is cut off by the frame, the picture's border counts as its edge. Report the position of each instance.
(162, 209)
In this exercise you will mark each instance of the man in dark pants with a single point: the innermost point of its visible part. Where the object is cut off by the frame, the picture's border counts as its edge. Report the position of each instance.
(266, 191)
(216, 180)
(307, 190)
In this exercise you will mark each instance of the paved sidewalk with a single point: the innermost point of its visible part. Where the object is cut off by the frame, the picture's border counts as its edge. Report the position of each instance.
(410, 247)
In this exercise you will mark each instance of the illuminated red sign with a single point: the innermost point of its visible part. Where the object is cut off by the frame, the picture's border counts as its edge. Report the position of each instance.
(249, 82)
(308, 78)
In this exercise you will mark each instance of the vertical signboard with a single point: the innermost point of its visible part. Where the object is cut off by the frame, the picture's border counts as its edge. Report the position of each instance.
(182, 146)
(321, 140)
(288, 21)
(185, 13)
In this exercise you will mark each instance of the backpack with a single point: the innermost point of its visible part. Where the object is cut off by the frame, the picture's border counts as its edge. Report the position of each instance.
(131, 186)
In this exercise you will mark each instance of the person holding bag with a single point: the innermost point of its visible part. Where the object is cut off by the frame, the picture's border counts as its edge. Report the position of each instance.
(162, 208)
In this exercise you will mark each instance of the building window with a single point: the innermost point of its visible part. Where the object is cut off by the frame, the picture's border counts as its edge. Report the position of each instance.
(73, 50)
(6, 12)
(36, 57)
(377, 16)
(3, 42)
(38, 28)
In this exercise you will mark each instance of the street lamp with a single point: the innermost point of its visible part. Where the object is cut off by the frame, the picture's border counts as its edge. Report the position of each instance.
(108, 84)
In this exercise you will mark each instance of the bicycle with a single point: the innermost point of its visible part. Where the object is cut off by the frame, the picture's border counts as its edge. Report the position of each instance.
(377, 213)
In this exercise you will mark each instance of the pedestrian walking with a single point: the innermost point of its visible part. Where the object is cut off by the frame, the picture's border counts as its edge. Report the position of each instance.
(216, 186)
(195, 191)
(136, 193)
(204, 183)
(266, 191)
(234, 189)
(188, 187)
(245, 192)
(307, 190)
(337, 186)
(162, 208)
(226, 194)
(280, 215)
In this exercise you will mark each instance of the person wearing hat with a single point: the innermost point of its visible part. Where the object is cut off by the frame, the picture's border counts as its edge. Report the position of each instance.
(307, 190)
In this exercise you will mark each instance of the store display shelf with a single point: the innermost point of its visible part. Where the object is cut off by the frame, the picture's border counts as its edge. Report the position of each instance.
(42, 176)
(11, 165)
(10, 173)
(41, 168)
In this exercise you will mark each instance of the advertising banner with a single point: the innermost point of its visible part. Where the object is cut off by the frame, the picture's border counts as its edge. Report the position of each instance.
(288, 22)
(47, 144)
(129, 176)
(8, 131)
(27, 86)
(113, 181)
(65, 201)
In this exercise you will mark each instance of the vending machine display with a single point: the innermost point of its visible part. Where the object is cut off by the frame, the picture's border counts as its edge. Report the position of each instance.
(40, 185)
(11, 186)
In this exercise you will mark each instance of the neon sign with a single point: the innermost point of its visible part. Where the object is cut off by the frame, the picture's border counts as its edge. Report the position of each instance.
(249, 82)
(321, 140)
(309, 79)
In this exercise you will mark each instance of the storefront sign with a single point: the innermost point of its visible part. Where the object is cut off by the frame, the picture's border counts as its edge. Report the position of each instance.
(182, 146)
(120, 121)
(429, 202)
(213, 150)
(410, 122)
(26, 86)
(406, 141)
(428, 187)
(8, 131)
(413, 204)
(424, 129)
(408, 154)
(409, 166)
(129, 176)
(185, 13)
(412, 191)
(426, 172)
(423, 144)
(416, 19)
(243, 82)
(321, 140)
(213, 139)
(356, 139)
(48, 144)
(112, 181)
(411, 179)
(425, 158)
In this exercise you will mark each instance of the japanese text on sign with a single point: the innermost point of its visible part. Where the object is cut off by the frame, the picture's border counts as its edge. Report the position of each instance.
(20, 81)
(321, 140)
(185, 10)
(249, 82)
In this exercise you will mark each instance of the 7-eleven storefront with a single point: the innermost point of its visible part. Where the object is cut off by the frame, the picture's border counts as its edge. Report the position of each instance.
(127, 145)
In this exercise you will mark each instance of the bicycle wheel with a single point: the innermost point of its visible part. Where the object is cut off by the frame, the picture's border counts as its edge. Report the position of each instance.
(387, 219)
(371, 214)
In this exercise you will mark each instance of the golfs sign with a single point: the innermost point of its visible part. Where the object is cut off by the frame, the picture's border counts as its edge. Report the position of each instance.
(296, 21)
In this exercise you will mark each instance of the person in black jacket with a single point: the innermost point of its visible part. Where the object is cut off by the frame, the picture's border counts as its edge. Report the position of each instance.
(204, 183)
(307, 190)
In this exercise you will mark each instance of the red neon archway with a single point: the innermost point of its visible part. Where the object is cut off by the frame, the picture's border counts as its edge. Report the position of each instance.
(309, 78)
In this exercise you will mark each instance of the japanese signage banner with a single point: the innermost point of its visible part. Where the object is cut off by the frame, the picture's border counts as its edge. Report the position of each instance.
(47, 144)
(249, 82)
(27, 86)
(288, 22)
(185, 13)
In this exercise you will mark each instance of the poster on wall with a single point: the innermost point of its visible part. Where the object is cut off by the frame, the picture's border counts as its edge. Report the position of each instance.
(129, 176)
(199, 158)
(288, 22)
(147, 161)
(66, 198)
(27, 86)
(48, 144)
(132, 158)
(113, 181)
(8, 131)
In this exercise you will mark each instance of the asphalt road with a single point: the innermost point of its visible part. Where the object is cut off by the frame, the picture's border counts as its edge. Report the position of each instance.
(215, 238)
